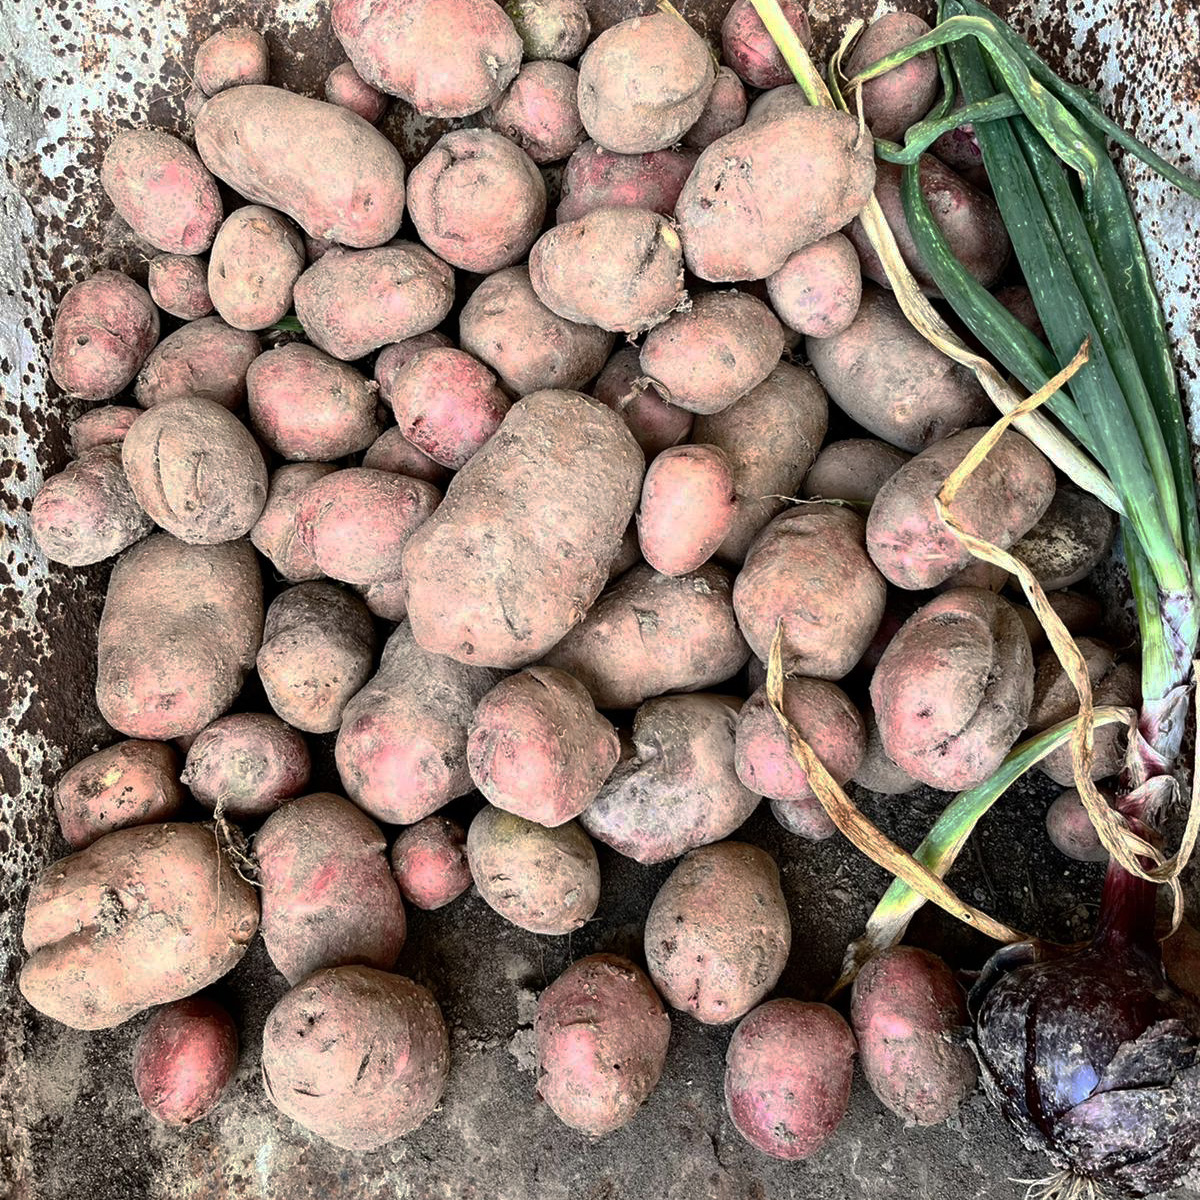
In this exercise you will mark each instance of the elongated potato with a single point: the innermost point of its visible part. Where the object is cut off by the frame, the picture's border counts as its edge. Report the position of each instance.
(895, 100)
(342, 180)
(202, 360)
(688, 507)
(1072, 537)
(749, 49)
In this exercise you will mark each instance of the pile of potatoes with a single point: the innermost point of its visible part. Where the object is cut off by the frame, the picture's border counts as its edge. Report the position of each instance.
(602, 393)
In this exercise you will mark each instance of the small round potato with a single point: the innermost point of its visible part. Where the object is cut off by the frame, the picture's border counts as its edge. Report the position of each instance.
(543, 880)
(688, 507)
(230, 58)
(392, 451)
(724, 111)
(1071, 830)
(256, 258)
(598, 178)
(817, 291)
(275, 534)
(718, 934)
(602, 1036)
(852, 470)
(346, 88)
(103, 426)
(178, 284)
(429, 862)
(788, 1072)
(204, 359)
(655, 424)
(1072, 537)
(539, 112)
(749, 49)
(902, 96)
(557, 30)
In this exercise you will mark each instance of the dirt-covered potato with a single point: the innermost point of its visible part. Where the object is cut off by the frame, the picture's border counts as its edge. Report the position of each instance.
(429, 862)
(392, 451)
(854, 470)
(163, 191)
(1004, 497)
(357, 1056)
(246, 764)
(902, 96)
(543, 880)
(749, 49)
(649, 634)
(718, 935)
(1071, 830)
(178, 284)
(953, 689)
(230, 58)
(391, 360)
(103, 426)
(906, 1009)
(655, 424)
(598, 178)
(342, 180)
(447, 58)
(876, 772)
(539, 112)
(87, 512)
(204, 359)
(256, 259)
(1071, 538)
(143, 916)
(346, 88)
(104, 328)
(601, 1035)
(521, 545)
(557, 30)
(180, 629)
(724, 111)
(275, 534)
(766, 190)
(788, 1072)
(675, 787)
(818, 290)
(770, 436)
(688, 507)
(538, 748)
(131, 783)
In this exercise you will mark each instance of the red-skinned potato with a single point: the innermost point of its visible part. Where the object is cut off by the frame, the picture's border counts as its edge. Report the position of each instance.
(718, 935)
(178, 284)
(346, 88)
(204, 359)
(654, 423)
(161, 188)
(104, 426)
(537, 746)
(902, 96)
(230, 58)
(392, 451)
(391, 360)
(1072, 537)
(1071, 830)
(818, 290)
(675, 787)
(543, 880)
(876, 772)
(275, 534)
(598, 178)
(601, 1035)
(429, 862)
(328, 896)
(131, 783)
(402, 747)
(387, 599)
(357, 1056)
(649, 634)
(724, 111)
(905, 1008)
(143, 916)
(184, 1060)
(539, 112)
(255, 261)
(788, 1072)
(557, 30)
(688, 508)
(853, 470)
(180, 629)
(749, 49)
(104, 328)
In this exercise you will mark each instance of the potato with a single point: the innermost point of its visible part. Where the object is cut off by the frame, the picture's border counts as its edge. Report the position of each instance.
(520, 548)
(724, 111)
(788, 1072)
(308, 406)
(1019, 301)
(551, 29)
(888, 378)
(655, 424)
(675, 787)
(179, 285)
(355, 301)
(143, 916)
(162, 190)
(317, 652)
(905, 1009)
(87, 512)
(387, 599)
(714, 353)
(771, 437)
(1181, 959)
(543, 880)
(130, 783)
(184, 1060)
(852, 470)
(193, 102)
(204, 360)
(748, 48)
(275, 534)
(343, 180)
(537, 746)
(246, 765)
(628, 554)
(1071, 538)
(256, 259)
(809, 569)
(195, 469)
(718, 934)
(649, 634)
(104, 328)
(688, 508)
(328, 896)
(391, 360)
(601, 1036)
(674, 72)
(953, 689)
(429, 862)
(447, 404)
(104, 426)
(355, 522)
(598, 178)
(539, 112)
(902, 96)
(230, 58)
(876, 772)
(402, 747)
(505, 325)
(763, 192)
(392, 451)
(357, 1056)
(1004, 497)
(818, 289)
(180, 629)
(619, 268)
(776, 102)
(346, 88)
(447, 58)
(1071, 830)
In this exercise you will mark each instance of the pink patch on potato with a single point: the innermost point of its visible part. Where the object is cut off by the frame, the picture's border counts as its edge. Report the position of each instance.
(346, 88)
(429, 862)
(539, 111)
(688, 506)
